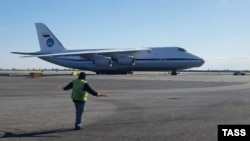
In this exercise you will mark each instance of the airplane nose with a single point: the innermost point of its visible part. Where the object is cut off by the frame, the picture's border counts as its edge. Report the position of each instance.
(201, 61)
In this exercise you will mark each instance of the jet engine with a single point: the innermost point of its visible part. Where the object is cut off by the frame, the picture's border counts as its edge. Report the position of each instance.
(102, 60)
(126, 60)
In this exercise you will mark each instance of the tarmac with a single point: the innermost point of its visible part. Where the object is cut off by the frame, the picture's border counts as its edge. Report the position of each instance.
(141, 107)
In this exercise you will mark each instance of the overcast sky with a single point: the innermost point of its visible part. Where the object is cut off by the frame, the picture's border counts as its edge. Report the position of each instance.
(216, 30)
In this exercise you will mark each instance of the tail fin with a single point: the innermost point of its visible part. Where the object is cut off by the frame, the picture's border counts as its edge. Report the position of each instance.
(47, 40)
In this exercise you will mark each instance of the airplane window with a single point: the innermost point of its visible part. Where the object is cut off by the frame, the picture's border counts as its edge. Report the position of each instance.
(181, 49)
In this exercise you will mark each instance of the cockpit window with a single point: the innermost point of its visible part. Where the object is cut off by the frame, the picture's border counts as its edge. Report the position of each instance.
(181, 49)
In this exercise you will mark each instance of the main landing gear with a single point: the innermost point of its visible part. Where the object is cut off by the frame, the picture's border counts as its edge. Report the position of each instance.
(174, 72)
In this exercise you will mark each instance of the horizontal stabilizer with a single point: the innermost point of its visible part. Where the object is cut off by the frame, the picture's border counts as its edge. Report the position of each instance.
(27, 53)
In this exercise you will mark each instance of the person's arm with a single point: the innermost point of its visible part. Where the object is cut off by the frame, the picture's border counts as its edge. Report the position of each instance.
(91, 91)
(69, 86)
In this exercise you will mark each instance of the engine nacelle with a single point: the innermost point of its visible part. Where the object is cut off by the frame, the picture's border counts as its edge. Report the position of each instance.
(126, 60)
(102, 61)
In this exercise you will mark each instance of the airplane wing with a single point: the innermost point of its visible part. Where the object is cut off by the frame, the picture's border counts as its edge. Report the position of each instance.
(80, 52)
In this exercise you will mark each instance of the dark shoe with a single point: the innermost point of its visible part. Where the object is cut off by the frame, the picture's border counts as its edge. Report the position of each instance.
(78, 128)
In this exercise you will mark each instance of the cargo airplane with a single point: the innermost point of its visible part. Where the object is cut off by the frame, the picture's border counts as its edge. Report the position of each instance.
(112, 61)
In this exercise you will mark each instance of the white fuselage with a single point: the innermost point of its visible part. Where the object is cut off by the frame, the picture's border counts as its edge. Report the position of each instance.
(154, 59)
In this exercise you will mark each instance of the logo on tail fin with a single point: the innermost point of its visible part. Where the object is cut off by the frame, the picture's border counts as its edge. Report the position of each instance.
(50, 42)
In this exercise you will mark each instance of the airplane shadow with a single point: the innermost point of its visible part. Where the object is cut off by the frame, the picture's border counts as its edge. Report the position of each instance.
(35, 134)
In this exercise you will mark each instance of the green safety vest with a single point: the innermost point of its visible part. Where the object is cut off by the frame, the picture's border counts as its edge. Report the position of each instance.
(78, 94)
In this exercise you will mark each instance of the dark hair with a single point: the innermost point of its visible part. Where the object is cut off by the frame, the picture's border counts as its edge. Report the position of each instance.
(82, 75)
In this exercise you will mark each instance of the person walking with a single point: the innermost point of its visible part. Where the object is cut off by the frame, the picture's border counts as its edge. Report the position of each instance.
(80, 89)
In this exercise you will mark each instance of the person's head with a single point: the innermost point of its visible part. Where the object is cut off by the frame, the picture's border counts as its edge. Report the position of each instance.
(82, 75)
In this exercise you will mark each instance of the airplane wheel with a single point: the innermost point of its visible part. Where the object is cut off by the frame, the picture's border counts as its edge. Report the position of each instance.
(174, 73)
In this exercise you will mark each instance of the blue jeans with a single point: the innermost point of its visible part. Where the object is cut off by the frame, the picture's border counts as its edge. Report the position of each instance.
(79, 111)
